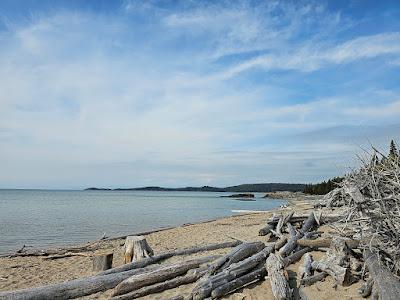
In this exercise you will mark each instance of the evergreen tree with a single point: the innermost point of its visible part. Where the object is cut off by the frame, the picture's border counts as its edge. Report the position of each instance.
(393, 153)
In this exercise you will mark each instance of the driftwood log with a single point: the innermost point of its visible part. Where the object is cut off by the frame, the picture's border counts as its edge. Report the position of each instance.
(336, 262)
(158, 275)
(171, 253)
(266, 230)
(103, 281)
(231, 286)
(278, 277)
(295, 256)
(136, 248)
(305, 269)
(386, 284)
(235, 255)
(308, 224)
(190, 277)
(326, 243)
(313, 278)
(204, 287)
(366, 289)
(102, 261)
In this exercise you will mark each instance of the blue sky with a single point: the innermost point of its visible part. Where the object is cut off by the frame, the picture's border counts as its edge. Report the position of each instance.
(175, 93)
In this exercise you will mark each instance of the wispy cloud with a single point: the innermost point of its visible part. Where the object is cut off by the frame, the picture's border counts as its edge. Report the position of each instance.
(150, 93)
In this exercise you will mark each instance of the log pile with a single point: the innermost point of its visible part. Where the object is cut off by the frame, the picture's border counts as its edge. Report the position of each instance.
(369, 198)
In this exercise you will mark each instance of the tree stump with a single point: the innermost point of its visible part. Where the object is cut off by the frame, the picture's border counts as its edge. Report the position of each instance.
(102, 262)
(136, 248)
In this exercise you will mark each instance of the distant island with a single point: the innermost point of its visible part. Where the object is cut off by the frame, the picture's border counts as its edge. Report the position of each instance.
(257, 187)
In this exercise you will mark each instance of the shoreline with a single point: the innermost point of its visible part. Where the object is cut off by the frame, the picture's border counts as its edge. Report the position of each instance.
(28, 272)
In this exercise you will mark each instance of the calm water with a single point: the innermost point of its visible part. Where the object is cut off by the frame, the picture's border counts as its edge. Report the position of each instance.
(48, 218)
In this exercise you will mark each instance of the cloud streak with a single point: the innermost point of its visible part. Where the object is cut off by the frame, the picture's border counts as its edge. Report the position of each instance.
(193, 94)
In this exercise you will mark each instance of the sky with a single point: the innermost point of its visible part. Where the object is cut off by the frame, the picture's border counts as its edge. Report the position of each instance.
(190, 93)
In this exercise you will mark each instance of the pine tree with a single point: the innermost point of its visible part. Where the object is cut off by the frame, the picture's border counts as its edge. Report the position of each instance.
(393, 153)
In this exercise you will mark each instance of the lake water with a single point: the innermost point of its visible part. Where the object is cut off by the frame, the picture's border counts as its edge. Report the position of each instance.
(53, 218)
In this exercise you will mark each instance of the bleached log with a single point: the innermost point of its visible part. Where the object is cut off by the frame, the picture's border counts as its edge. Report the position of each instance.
(305, 269)
(102, 261)
(340, 274)
(280, 243)
(266, 230)
(386, 284)
(313, 279)
(366, 289)
(278, 277)
(204, 287)
(171, 253)
(136, 248)
(159, 275)
(236, 254)
(105, 280)
(282, 221)
(240, 282)
(295, 256)
(73, 288)
(326, 243)
(190, 277)
(308, 224)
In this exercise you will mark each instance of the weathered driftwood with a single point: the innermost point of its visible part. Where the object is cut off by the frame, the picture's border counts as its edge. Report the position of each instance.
(325, 243)
(305, 269)
(73, 288)
(190, 277)
(313, 279)
(105, 280)
(335, 262)
(323, 219)
(238, 253)
(366, 289)
(168, 254)
(295, 256)
(282, 221)
(278, 277)
(159, 275)
(330, 265)
(231, 286)
(280, 243)
(266, 230)
(387, 285)
(136, 248)
(308, 224)
(204, 287)
(102, 261)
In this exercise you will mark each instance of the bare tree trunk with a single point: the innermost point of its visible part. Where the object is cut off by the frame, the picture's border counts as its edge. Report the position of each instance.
(278, 277)
(136, 248)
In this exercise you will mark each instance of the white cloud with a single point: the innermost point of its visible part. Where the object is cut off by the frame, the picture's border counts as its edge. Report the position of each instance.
(93, 100)
(313, 57)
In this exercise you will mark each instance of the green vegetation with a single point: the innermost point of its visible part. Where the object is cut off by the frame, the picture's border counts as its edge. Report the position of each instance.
(323, 187)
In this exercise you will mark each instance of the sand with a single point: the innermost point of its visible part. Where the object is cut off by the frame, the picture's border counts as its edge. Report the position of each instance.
(24, 272)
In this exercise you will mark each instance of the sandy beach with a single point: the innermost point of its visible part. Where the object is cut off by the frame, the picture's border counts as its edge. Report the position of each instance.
(25, 272)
